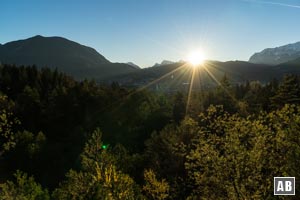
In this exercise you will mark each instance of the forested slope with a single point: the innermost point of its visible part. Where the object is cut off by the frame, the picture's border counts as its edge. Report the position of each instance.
(65, 139)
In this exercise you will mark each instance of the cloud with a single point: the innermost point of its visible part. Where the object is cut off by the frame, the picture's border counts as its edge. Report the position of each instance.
(274, 3)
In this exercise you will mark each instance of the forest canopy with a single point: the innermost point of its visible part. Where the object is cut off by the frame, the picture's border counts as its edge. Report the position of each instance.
(67, 139)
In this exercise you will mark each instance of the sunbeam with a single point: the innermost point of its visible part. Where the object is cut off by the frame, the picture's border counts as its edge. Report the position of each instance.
(160, 78)
(190, 91)
(177, 79)
(226, 72)
(218, 82)
(117, 104)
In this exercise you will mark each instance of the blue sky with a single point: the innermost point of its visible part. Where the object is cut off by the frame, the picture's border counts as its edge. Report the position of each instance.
(149, 31)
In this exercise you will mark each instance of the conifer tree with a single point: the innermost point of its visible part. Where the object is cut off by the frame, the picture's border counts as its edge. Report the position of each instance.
(288, 91)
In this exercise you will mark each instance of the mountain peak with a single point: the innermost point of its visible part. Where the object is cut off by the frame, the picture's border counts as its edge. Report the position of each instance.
(38, 36)
(53, 49)
(164, 62)
(133, 65)
(277, 55)
(167, 62)
(57, 52)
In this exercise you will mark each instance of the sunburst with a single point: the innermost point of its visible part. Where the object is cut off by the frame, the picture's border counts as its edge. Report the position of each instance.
(196, 58)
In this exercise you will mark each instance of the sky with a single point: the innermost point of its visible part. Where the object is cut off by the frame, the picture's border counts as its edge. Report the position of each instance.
(148, 31)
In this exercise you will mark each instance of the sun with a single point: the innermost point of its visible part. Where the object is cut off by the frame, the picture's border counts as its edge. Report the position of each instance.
(196, 58)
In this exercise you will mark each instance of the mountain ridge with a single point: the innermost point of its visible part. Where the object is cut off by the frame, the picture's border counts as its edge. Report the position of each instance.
(164, 62)
(133, 65)
(236, 71)
(67, 56)
(277, 55)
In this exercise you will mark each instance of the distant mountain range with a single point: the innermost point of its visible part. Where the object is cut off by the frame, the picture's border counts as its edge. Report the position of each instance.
(85, 62)
(278, 55)
(172, 77)
(164, 62)
(67, 56)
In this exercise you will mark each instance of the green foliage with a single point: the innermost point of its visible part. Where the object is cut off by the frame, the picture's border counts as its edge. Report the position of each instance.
(23, 188)
(29, 143)
(27, 152)
(76, 186)
(93, 151)
(99, 178)
(153, 188)
(113, 184)
(166, 154)
(179, 108)
(236, 158)
(7, 123)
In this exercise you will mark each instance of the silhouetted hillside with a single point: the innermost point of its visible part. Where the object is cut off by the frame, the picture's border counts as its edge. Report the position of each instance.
(291, 67)
(67, 56)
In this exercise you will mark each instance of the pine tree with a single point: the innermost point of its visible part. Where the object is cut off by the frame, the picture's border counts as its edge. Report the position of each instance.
(288, 92)
(179, 108)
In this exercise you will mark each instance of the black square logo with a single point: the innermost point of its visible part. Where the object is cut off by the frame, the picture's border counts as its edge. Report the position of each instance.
(284, 185)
